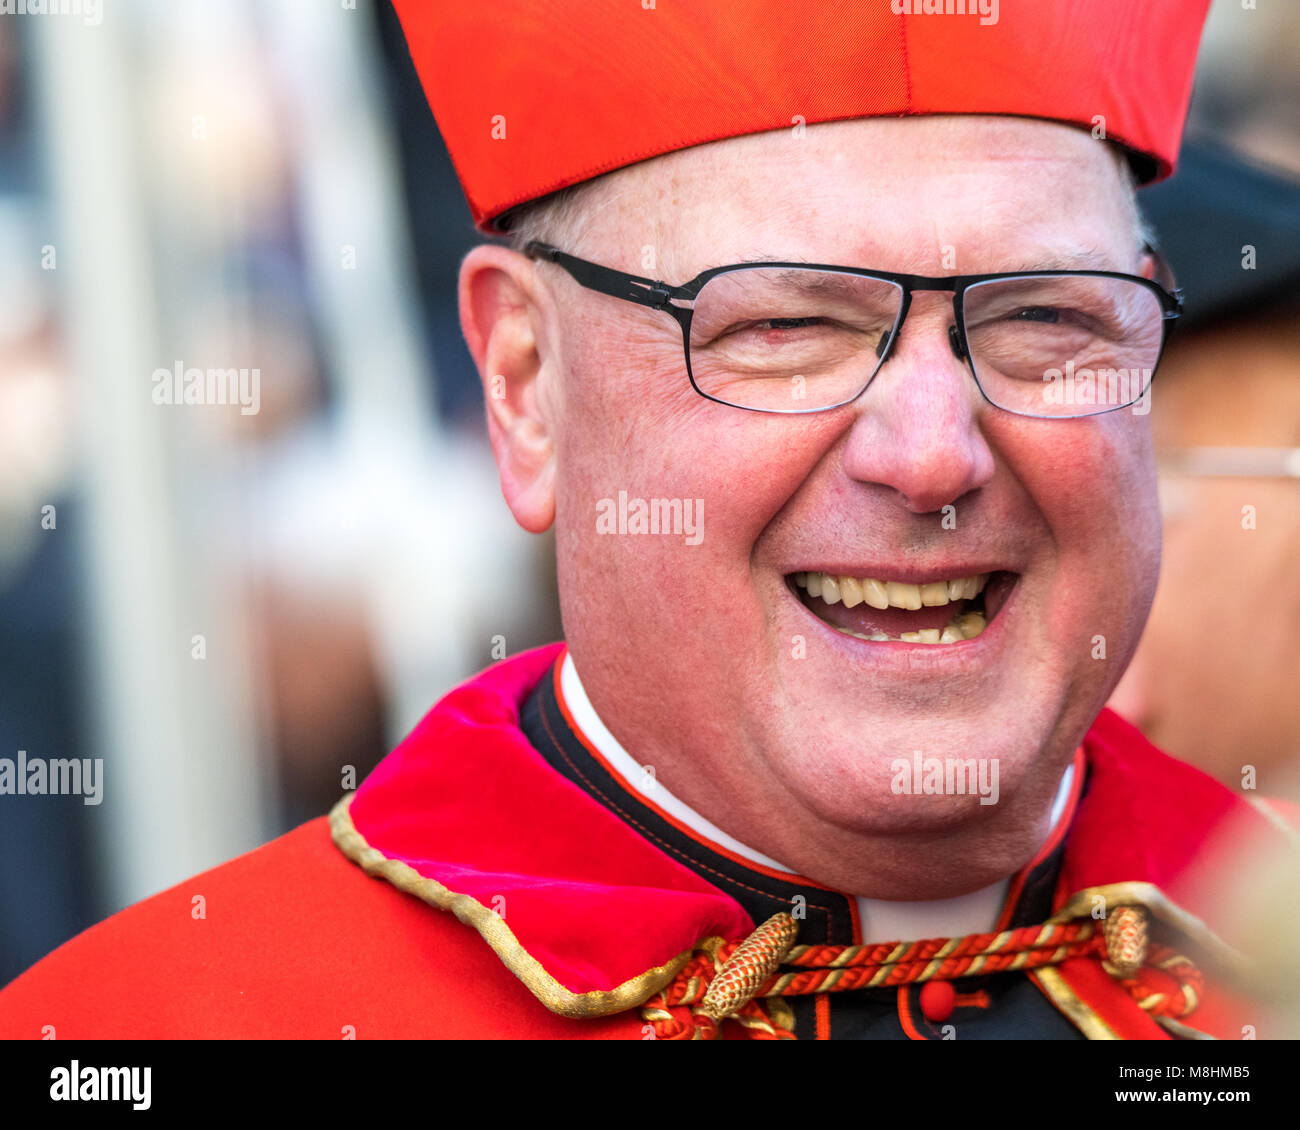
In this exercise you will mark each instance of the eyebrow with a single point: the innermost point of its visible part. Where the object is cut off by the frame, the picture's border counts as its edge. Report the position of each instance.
(1083, 259)
(820, 281)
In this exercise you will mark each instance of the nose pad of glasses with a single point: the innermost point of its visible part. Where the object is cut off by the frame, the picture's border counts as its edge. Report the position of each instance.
(881, 344)
(954, 339)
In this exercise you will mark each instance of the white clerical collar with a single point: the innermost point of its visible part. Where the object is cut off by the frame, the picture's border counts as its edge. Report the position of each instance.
(882, 920)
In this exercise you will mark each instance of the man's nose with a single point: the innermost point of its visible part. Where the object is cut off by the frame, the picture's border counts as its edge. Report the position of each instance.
(918, 424)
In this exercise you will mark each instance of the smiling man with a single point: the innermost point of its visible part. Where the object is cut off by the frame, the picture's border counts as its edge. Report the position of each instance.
(825, 342)
(833, 616)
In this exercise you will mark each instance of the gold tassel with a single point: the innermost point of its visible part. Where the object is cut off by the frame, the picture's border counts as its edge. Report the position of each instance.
(755, 960)
(1126, 932)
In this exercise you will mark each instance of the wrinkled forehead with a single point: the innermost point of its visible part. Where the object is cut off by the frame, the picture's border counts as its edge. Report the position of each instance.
(881, 192)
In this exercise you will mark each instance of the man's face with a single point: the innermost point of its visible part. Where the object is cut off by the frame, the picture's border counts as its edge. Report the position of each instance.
(707, 660)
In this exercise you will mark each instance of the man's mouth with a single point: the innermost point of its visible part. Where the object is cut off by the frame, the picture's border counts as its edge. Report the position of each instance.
(936, 612)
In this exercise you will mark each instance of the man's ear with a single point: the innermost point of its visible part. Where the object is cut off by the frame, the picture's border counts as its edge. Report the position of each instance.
(499, 315)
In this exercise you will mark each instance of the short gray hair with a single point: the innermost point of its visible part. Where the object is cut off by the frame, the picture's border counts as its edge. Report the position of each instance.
(557, 218)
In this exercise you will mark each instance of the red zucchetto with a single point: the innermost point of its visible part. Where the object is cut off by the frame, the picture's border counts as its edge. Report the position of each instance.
(532, 96)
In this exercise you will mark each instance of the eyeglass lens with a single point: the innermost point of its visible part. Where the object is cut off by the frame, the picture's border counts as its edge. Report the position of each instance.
(794, 339)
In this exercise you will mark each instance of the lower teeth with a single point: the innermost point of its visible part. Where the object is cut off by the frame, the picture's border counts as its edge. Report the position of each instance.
(965, 626)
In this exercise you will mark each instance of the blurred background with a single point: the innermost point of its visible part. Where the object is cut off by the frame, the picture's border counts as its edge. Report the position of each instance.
(240, 611)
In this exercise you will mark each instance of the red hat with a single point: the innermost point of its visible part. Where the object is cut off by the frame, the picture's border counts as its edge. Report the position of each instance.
(532, 96)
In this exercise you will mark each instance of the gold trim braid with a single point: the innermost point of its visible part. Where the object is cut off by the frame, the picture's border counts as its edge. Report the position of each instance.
(1079, 1014)
(1163, 908)
(496, 933)
(1130, 894)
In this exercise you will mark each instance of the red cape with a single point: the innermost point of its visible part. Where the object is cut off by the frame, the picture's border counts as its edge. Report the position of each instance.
(349, 924)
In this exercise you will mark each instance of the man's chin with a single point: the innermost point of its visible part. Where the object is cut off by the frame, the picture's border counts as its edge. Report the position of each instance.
(935, 776)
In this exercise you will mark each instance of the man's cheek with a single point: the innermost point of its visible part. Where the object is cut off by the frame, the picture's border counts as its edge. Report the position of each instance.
(635, 379)
(754, 464)
(1091, 479)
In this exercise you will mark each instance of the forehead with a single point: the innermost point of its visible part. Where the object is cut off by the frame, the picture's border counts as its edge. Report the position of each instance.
(986, 193)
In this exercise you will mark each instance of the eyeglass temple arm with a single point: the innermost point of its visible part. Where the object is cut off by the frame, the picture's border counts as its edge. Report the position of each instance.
(1165, 277)
(633, 288)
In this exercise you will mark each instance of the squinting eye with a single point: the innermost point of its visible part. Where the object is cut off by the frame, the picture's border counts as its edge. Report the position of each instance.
(761, 326)
(1037, 314)
(789, 323)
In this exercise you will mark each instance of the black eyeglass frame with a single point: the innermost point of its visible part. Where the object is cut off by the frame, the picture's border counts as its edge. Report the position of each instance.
(660, 295)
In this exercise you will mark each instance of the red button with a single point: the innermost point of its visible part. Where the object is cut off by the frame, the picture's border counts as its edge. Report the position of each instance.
(938, 999)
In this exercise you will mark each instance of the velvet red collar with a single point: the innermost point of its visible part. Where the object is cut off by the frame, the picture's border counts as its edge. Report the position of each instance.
(467, 815)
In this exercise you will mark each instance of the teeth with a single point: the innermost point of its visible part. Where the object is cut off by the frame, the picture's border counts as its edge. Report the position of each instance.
(970, 624)
(850, 592)
(934, 594)
(904, 596)
(886, 594)
(900, 594)
(874, 593)
(964, 627)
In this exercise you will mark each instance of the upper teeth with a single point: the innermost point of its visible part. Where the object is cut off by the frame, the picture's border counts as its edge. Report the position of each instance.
(888, 594)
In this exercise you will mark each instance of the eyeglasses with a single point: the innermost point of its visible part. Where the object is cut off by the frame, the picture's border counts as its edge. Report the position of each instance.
(801, 337)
